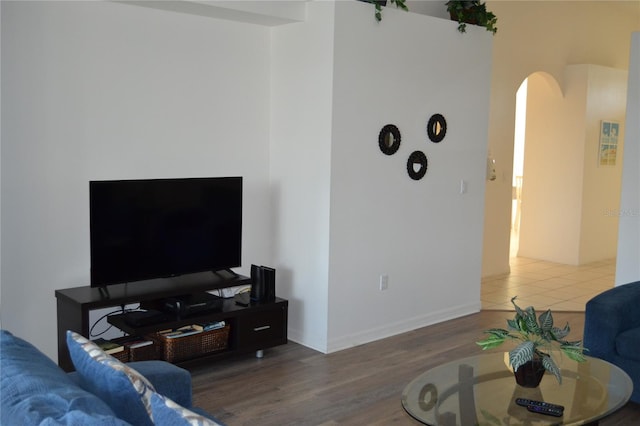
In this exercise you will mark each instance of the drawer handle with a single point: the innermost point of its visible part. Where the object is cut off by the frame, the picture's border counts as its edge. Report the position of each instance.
(264, 327)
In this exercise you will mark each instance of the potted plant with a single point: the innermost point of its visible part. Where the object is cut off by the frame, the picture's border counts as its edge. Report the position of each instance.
(536, 337)
(379, 3)
(472, 12)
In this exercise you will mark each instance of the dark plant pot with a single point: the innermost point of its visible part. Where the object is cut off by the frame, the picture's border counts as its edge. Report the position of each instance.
(530, 374)
(454, 17)
(380, 2)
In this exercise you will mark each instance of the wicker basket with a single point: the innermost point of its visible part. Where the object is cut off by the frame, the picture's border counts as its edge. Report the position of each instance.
(183, 348)
(145, 353)
(122, 356)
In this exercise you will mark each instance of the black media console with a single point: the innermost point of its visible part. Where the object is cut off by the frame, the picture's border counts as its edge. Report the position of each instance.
(253, 328)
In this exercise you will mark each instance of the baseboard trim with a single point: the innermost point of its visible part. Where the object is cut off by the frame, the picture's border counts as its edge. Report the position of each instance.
(392, 329)
(296, 337)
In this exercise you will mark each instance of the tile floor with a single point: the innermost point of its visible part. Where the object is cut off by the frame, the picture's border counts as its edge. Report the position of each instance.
(545, 285)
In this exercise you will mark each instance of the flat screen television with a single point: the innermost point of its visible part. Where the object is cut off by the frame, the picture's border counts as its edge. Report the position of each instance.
(155, 228)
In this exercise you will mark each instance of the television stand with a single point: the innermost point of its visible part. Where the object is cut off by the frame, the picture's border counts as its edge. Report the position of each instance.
(104, 291)
(225, 274)
(253, 328)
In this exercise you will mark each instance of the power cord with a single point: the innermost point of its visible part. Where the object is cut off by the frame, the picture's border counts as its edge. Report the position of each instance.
(121, 310)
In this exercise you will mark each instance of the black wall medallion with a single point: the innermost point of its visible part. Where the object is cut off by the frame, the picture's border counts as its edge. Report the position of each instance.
(389, 139)
(437, 128)
(417, 165)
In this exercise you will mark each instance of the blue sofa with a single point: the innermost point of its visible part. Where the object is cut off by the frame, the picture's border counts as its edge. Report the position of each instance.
(35, 391)
(612, 330)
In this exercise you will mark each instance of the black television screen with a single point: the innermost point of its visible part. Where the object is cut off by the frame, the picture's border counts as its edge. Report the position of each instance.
(154, 228)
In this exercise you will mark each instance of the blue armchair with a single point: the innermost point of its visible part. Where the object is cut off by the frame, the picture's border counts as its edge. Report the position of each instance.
(612, 330)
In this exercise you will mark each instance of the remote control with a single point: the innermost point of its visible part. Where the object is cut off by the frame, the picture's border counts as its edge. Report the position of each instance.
(545, 410)
(530, 402)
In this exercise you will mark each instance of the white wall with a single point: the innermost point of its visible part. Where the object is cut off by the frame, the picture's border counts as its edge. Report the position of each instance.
(628, 267)
(302, 57)
(566, 194)
(553, 169)
(538, 36)
(102, 90)
(425, 235)
(346, 213)
(606, 100)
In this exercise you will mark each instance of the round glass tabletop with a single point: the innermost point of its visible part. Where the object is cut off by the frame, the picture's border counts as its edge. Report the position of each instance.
(481, 390)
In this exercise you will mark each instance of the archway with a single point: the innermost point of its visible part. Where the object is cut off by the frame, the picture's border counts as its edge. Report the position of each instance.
(555, 166)
(541, 81)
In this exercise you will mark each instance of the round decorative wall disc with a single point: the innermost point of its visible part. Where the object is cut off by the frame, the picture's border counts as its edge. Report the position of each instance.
(389, 139)
(437, 128)
(417, 165)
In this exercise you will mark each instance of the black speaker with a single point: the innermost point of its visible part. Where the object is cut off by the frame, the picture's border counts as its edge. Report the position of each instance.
(263, 284)
(257, 289)
(269, 283)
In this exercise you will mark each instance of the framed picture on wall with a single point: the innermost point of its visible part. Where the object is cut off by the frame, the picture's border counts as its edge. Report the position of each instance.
(608, 149)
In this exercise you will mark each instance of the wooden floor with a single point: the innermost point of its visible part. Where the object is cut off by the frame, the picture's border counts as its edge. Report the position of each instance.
(294, 385)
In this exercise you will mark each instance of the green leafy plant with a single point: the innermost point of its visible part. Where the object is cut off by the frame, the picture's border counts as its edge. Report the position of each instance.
(472, 12)
(536, 337)
(400, 4)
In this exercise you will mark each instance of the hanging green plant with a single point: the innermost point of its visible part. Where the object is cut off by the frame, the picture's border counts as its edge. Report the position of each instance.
(472, 12)
(400, 4)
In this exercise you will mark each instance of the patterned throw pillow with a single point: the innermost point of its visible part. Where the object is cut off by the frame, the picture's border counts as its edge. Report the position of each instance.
(126, 391)
(34, 391)
(168, 413)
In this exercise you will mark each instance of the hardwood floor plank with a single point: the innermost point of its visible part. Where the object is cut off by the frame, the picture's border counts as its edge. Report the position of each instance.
(295, 385)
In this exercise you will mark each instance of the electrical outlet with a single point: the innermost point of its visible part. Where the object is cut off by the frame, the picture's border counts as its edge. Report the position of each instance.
(384, 282)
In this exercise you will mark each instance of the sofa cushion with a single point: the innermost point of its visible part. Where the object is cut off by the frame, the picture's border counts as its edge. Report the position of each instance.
(81, 418)
(36, 391)
(627, 344)
(168, 413)
(125, 390)
(168, 379)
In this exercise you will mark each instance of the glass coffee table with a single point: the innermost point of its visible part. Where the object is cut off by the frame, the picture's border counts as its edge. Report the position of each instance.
(481, 390)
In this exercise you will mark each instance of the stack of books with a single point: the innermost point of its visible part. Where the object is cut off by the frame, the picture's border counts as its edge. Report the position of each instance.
(134, 342)
(209, 325)
(108, 346)
(189, 330)
(179, 332)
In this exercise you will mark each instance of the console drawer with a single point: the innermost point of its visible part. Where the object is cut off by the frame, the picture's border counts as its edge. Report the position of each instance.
(262, 330)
